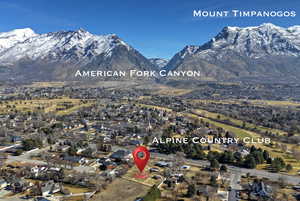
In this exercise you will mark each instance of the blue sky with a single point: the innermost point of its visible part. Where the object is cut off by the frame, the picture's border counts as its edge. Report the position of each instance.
(157, 28)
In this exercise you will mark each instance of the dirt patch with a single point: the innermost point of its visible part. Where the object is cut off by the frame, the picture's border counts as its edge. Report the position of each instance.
(122, 190)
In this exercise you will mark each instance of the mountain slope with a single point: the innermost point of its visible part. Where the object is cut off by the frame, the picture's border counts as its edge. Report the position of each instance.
(263, 52)
(57, 55)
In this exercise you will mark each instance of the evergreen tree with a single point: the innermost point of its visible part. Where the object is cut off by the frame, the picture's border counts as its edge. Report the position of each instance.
(214, 164)
(250, 162)
(191, 190)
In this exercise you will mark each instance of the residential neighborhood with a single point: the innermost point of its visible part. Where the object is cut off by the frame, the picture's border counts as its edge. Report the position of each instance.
(65, 143)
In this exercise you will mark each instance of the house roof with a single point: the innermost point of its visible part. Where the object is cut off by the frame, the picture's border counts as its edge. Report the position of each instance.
(72, 158)
(120, 154)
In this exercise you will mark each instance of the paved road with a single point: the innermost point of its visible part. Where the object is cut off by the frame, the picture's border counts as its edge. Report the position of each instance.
(232, 195)
(26, 158)
(294, 180)
(236, 170)
(235, 179)
(9, 147)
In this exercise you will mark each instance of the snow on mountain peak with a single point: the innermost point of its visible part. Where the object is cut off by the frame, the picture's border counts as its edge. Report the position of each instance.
(159, 62)
(76, 46)
(257, 41)
(8, 39)
(18, 32)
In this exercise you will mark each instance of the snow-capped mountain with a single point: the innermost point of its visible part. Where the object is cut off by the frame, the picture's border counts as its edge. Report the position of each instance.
(60, 53)
(267, 51)
(159, 62)
(255, 42)
(9, 39)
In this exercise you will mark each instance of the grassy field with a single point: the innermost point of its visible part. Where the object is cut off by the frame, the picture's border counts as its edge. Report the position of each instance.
(259, 103)
(156, 107)
(237, 122)
(46, 84)
(75, 189)
(57, 106)
(170, 91)
(275, 103)
(274, 151)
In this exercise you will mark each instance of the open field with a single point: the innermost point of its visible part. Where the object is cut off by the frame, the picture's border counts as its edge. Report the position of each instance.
(59, 106)
(76, 190)
(149, 181)
(261, 103)
(122, 190)
(46, 84)
(170, 91)
(275, 103)
(237, 122)
(156, 107)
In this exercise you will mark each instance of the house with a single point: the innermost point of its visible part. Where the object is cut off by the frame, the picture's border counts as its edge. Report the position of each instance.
(205, 190)
(15, 139)
(154, 170)
(185, 167)
(18, 185)
(162, 164)
(297, 188)
(3, 183)
(41, 199)
(49, 187)
(120, 155)
(79, 151)
(223, 195)
(259, 188)
(63, 148)
(83, 161)
(244, 152)
(73, 159)
(135, 142)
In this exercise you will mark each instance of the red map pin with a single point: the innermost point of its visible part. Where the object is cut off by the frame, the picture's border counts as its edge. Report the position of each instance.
(141, 155)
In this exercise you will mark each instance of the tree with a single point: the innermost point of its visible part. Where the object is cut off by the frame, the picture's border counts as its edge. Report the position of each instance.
(29, 144)
(289, 167)
(258, 156)
(213, 180)
(72, 151)
(238, 158)
(191, 190)
(266, 155)
(214, 164)
(146, 140)
(18, 152)
(153, 194)
(223, 168)
(278, 164)
(213, 155)
(250, 162)
(227, 157)
(244, 124)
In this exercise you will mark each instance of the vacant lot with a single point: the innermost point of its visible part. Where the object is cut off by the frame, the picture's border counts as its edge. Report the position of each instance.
(122, 190)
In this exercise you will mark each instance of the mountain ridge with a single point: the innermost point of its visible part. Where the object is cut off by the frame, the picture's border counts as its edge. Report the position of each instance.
(236, 53)
(264, 52)
(60, 54)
